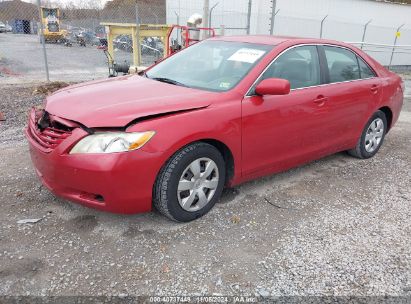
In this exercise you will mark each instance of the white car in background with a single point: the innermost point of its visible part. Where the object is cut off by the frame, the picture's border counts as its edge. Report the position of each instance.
(3, 28)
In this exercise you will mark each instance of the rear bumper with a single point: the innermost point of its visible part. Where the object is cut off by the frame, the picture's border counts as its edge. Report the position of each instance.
(117, 182)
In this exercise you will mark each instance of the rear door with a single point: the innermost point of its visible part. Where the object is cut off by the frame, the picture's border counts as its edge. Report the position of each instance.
(353, 90)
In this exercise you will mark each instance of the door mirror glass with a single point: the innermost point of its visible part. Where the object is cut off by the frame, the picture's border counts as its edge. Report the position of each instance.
(273, 86)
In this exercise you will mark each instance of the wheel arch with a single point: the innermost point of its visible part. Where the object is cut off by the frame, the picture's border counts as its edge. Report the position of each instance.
(223, 148)
(388, 114)
(227, 155)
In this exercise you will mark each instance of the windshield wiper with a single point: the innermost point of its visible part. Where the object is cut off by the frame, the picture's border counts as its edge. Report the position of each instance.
(170, 81)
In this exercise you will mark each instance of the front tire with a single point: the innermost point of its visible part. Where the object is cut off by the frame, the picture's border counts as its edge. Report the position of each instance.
(372, 137)
(190, 183)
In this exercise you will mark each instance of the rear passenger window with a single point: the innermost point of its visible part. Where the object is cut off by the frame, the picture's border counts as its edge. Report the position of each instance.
(299, 65)
(365, 70)
(342, 64)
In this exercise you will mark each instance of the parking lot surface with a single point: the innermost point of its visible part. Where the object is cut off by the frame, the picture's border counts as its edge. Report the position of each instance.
(22, 61)
(336, 226)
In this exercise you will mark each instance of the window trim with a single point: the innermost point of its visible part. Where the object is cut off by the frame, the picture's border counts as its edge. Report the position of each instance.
(366, 63)
(323, 69)
(328, 69)
(357, 58)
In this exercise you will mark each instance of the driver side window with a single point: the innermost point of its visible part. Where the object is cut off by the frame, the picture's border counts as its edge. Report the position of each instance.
(299, 65)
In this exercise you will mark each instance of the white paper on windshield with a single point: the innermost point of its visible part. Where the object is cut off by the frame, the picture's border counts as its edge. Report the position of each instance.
(246, 55)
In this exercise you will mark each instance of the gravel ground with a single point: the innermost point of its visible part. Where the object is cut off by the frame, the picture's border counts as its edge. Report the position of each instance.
(15, 102)
(338, 226)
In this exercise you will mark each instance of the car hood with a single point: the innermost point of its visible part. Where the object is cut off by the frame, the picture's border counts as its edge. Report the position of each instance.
(116, 102)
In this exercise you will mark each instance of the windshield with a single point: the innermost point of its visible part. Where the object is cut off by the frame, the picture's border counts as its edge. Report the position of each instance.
(210, 65)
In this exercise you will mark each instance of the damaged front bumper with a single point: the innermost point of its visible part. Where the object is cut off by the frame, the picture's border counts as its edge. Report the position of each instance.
(115, 182)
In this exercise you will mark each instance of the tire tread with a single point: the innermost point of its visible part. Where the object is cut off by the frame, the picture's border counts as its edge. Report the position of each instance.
(358, 150)
(160, 200)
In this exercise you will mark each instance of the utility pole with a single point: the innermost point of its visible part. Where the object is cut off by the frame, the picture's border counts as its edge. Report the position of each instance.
(43, 42)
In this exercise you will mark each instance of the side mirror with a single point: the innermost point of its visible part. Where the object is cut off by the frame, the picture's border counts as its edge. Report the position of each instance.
(273, 86)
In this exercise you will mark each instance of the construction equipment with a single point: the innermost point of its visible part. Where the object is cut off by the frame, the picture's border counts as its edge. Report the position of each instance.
(145, 30)
(113, 67)
(50, 17)
(172, 38)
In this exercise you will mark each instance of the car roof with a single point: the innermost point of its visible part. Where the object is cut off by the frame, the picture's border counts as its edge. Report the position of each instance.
(260, 39)
(275, 40)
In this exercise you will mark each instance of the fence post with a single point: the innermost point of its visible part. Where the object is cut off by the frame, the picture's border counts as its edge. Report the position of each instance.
(249, 16)
(273, 14)
(206, 11)
(395, 43)
(222, 30)
(322, 24)
(43, 42)
(137, 53)
(211, 14)
(363, 34)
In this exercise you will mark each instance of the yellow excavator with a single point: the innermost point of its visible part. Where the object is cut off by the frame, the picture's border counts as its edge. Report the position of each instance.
(50, 17)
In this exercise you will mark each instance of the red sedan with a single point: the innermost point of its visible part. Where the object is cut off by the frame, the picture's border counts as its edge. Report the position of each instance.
(221, 112)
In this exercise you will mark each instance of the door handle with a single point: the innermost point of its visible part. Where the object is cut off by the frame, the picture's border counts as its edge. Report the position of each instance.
(320, 100)
(374, 88)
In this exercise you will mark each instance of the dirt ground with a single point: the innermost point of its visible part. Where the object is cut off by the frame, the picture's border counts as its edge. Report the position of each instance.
(337, 226)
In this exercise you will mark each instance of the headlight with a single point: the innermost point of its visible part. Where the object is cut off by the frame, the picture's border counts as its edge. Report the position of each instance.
(111, 142)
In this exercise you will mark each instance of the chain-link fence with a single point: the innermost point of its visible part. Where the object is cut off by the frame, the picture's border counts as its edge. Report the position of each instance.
(86, 39)
(390, 45)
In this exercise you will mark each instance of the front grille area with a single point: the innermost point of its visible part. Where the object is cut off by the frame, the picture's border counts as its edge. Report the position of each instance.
(49, 136)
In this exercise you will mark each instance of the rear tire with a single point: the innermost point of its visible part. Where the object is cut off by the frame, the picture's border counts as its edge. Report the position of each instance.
(190, 183)
(372, 137)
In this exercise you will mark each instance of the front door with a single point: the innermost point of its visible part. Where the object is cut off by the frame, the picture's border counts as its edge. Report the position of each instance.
(279, 132)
